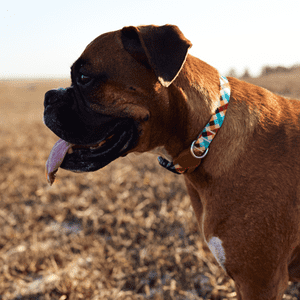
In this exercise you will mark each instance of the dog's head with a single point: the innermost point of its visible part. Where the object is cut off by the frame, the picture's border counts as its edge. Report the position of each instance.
(119, 85)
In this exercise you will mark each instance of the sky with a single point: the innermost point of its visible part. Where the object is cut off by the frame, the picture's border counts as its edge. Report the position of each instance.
(41, 39)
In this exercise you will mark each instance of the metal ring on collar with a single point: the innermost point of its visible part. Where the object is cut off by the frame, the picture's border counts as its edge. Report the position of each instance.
(192, 151)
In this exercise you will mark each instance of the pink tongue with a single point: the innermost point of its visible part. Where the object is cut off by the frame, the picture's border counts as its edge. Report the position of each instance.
(56, 158)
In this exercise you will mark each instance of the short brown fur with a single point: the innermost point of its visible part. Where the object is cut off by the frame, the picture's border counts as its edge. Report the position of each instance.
(246, 191)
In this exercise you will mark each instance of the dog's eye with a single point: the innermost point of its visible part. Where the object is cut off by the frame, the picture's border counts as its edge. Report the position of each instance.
(83, 79)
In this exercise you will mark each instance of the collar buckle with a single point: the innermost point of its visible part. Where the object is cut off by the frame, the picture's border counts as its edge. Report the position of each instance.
(192, 151)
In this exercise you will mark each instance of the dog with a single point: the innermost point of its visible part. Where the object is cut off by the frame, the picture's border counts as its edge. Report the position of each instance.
(236, 144)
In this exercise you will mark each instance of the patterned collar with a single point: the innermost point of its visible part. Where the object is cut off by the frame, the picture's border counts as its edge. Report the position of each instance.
(190, 159)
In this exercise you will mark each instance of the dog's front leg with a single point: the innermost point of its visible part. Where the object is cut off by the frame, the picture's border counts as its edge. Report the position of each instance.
(256, 278)
(195, 200)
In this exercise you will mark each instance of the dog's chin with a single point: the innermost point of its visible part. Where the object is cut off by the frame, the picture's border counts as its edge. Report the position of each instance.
(115, 143)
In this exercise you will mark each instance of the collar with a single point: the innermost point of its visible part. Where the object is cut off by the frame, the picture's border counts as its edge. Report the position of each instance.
(189, 159)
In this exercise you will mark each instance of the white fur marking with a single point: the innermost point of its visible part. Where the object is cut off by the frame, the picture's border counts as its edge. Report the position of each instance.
(215, 246)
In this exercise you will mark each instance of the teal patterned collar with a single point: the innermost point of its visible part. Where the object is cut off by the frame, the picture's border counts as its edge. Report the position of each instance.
(190, 159)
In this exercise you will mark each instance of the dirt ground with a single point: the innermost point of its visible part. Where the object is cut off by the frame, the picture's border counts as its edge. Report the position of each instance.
(124, 232)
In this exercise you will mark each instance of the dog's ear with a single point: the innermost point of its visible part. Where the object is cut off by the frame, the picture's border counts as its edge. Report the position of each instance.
(162, 48)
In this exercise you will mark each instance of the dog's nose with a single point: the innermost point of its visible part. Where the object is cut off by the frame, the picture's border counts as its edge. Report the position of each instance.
(53, 95)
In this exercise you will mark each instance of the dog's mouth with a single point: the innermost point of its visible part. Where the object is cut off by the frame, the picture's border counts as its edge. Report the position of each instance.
(120, 137)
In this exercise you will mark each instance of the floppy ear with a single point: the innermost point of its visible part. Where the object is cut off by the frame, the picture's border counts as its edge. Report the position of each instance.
(161, 48)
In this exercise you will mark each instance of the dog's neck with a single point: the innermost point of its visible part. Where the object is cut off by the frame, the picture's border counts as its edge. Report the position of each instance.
(195, 104)
(194, 107)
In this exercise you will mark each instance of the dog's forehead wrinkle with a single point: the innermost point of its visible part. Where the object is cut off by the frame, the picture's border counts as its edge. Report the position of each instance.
(103, 50)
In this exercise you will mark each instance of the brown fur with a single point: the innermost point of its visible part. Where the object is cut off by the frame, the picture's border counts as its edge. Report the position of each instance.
(246, 191)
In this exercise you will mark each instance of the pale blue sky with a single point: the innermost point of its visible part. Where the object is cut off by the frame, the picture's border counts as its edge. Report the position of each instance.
(43, 38)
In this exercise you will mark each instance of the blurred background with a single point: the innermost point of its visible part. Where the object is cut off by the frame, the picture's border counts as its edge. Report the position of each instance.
(126, 231)
(42, 39)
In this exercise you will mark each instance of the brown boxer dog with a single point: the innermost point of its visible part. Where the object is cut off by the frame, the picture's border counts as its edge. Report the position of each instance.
(137, 89)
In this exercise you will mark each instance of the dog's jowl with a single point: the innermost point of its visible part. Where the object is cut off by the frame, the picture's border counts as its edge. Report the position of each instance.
(237, 145)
